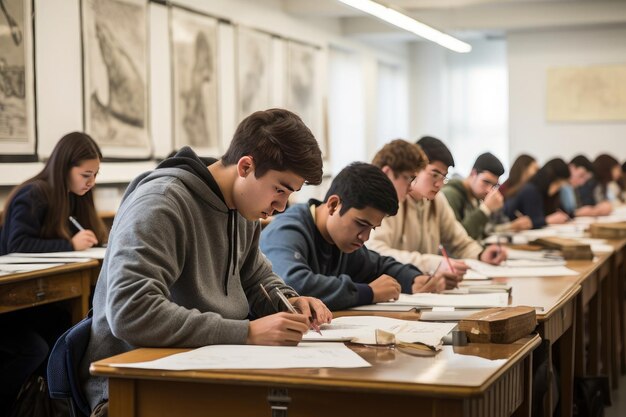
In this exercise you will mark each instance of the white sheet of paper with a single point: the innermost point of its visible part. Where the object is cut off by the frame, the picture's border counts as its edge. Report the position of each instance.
(377, 307)
(361, 329)
(10, 259)
(514, 272)
(453, 300)
(305, 355)
(15, 268)
(91, 253)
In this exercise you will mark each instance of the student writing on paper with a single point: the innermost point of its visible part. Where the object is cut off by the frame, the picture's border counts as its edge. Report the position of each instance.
(581, 171)
(608, 173)
(476, 199)
(183, 266)
(523, 168)
(318, 249)
(36, 213)
(402, 161)
(426, 220)
(538, 198)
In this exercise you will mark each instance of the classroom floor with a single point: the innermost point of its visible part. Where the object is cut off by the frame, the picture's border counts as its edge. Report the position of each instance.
(618, 409)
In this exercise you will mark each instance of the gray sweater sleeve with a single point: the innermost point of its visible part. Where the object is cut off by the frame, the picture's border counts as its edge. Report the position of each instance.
(143, 263)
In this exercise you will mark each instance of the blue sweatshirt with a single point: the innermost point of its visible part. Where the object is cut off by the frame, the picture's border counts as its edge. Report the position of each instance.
(21, 231)
(529, 202)
(314, 267)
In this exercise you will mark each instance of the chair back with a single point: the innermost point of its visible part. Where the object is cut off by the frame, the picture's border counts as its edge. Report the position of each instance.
(64, 364)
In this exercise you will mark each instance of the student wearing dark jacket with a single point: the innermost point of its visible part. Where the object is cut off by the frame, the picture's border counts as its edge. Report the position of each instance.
(36, 219)
(537, 199)
(317, 247)
(36, 213)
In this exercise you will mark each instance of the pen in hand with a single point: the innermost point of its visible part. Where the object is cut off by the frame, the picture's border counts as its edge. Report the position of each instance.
(445, 255)
(285, 302)
(76, 224)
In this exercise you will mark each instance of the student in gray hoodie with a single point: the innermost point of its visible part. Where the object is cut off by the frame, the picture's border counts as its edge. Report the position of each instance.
(183, 266)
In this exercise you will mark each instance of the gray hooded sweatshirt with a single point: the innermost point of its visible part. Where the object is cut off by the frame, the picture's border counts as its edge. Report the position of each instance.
(181, 269)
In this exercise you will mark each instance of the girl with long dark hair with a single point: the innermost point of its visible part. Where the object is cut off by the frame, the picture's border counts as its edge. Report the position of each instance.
(537, 198)
(36, 216)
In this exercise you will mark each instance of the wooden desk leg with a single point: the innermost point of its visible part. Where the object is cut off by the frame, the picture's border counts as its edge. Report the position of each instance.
(122, 397)
(579, 357)
(525, 409)
(619, 272)
(593, 355)
(608, 341)
(566, 350)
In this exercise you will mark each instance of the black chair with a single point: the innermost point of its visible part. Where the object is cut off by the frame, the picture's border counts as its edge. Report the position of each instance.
(63, 367)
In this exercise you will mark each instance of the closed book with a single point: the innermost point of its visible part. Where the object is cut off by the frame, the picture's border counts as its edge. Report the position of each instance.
(499, 325)
(608, 230)
(570, 248)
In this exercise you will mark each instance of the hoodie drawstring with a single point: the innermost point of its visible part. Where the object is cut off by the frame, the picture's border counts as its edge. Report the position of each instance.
(232, 247)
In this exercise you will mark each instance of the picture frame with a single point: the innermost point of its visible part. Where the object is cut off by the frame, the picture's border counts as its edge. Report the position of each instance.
(115, 77)
(195, 76)
(17, 85)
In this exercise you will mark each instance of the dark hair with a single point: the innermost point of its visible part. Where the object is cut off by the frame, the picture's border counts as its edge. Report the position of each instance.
(362, 185)
(52, 182)
(603, 165)
(555, 169)
(514, 182)
(277, 139)
(400, 155)
(582, 161)
(488, 162)
(436, 150)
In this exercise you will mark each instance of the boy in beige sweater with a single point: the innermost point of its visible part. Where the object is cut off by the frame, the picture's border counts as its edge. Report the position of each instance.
(425, 221)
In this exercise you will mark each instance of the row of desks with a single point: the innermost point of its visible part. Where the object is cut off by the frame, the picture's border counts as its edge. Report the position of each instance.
(473, 380)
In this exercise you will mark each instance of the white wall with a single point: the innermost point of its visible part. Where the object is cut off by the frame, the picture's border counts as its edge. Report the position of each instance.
(461, 99)
(529, 57)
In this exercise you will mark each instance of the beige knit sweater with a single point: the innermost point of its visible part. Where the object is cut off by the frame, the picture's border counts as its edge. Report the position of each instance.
(414, 234)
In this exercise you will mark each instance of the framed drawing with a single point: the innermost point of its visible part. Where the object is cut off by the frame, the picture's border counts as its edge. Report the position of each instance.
(254, 78)
(194, 52)
(115, 72)
(595, 93)
(17, 92)
(303, 88)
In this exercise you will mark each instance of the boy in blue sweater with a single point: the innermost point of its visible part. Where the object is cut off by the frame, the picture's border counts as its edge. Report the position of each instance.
(317, 248)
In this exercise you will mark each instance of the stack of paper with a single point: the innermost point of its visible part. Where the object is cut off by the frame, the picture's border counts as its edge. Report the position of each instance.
(538, 269)
(26, 262)
(451, 300)
(362, 329)
(305, 355)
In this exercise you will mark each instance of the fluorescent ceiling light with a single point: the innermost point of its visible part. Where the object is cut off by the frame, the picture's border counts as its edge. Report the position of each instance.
(405, 22)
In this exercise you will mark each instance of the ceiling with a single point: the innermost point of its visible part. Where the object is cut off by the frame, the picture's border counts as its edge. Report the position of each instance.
(467, 19)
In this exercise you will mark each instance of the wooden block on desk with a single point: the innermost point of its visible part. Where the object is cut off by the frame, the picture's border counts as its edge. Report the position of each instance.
(499, 325)
(570, 248)
(608, 230)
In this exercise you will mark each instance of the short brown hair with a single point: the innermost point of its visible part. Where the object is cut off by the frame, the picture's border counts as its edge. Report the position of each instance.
(277, 139)
(400, 156)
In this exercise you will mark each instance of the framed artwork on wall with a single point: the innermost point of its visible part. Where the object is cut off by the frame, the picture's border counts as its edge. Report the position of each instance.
(17, 92)
(302, 89)
(254, 71)
(115, 77)
(195, 81)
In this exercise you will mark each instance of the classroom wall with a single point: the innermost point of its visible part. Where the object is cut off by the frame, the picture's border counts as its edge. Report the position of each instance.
(59, 84)
(530, 54)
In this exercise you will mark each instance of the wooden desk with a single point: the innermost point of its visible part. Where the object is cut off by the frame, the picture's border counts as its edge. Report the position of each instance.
(67, 283)
(555, 298)
(617, 313)
(475, 380)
